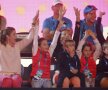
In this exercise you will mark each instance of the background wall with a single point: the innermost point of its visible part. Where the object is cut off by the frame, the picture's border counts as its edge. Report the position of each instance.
(19, 13)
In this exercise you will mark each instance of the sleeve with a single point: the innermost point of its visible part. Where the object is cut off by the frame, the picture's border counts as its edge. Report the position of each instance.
(26, 41)
(79, 65)
(79, 48)
(68, 22)
(35, 42)
(54, 42)
(97, 50)
(102, 65)
(99, 31)
(76, 34)
(46, 25)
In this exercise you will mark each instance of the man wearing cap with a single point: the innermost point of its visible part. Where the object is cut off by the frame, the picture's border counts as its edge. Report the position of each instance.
(89, 23)
(2, 22)
(50, 24)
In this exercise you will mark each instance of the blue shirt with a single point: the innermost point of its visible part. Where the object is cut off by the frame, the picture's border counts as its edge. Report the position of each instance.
(52, 23)
(84, 27)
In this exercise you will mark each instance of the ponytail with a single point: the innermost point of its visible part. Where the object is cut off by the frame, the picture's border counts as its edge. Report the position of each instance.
(4, 33)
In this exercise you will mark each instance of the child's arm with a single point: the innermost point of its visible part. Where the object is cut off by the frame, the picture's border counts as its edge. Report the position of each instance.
(57, 32)
(81, 43)
(35, 40)
(97, 45)
(55, 38)
(25, 42)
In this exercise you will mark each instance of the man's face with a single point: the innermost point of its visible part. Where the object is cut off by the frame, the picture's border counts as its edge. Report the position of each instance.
(91, 16)
(56, 8)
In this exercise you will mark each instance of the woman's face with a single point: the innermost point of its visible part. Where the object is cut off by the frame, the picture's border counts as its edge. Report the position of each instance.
(12, 37)
(44, 46)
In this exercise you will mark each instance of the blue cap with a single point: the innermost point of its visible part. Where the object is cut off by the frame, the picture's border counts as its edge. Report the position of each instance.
(89, 8)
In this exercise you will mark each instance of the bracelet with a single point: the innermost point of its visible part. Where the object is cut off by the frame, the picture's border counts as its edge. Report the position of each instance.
(33, 24)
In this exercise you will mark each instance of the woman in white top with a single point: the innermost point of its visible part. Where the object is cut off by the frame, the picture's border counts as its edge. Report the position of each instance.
(10, 64)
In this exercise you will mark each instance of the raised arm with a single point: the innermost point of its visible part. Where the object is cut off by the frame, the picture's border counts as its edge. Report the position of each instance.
(81, 43)
(98, 28)
(35, 40)
(97, 51)
(26, 41)
(57, 33)
(77, 27)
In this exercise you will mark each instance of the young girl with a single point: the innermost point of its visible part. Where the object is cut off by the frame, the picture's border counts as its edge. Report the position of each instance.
(88, 57)
(42, 54)
(10, 64)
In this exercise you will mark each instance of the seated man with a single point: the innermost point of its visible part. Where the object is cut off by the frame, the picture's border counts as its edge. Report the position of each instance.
(50, 24)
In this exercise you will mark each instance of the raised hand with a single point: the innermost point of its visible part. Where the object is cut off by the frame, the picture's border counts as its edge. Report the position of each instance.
(61, 22)
(36, 19)
(62, 11)
(101, 14)
(77, 13)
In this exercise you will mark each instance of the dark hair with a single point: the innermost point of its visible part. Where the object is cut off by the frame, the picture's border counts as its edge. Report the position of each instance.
(4, 33)
(40, 41)
(87, 44)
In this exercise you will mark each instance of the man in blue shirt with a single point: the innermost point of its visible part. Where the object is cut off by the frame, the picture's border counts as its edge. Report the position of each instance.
(50, 24)
(89, 23)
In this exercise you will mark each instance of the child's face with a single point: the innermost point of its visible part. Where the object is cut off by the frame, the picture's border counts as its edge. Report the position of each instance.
(66, 35)
(106, 51)
(44, 46)
(87, 51)
(70, 48)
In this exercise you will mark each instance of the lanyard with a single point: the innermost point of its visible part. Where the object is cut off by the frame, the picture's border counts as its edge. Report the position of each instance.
(70, 60)
(39, 60)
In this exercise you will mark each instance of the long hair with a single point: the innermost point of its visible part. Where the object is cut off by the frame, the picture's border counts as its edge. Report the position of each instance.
(4, 33)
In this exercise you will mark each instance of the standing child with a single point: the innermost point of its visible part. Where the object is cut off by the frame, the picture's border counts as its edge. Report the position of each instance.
(42, 54)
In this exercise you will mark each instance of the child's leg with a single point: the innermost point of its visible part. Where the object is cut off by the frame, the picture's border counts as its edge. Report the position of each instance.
(47, 83)
(16, 81)
(66, 82)
(36, 83)
(75, 81)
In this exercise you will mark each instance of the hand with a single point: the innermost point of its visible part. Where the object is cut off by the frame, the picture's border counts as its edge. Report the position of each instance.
(62, 11)
(77, 13)
(61, 22)
(101, 14)
(92, 34)
(87, 32)
(74, 71)
(36, 19)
